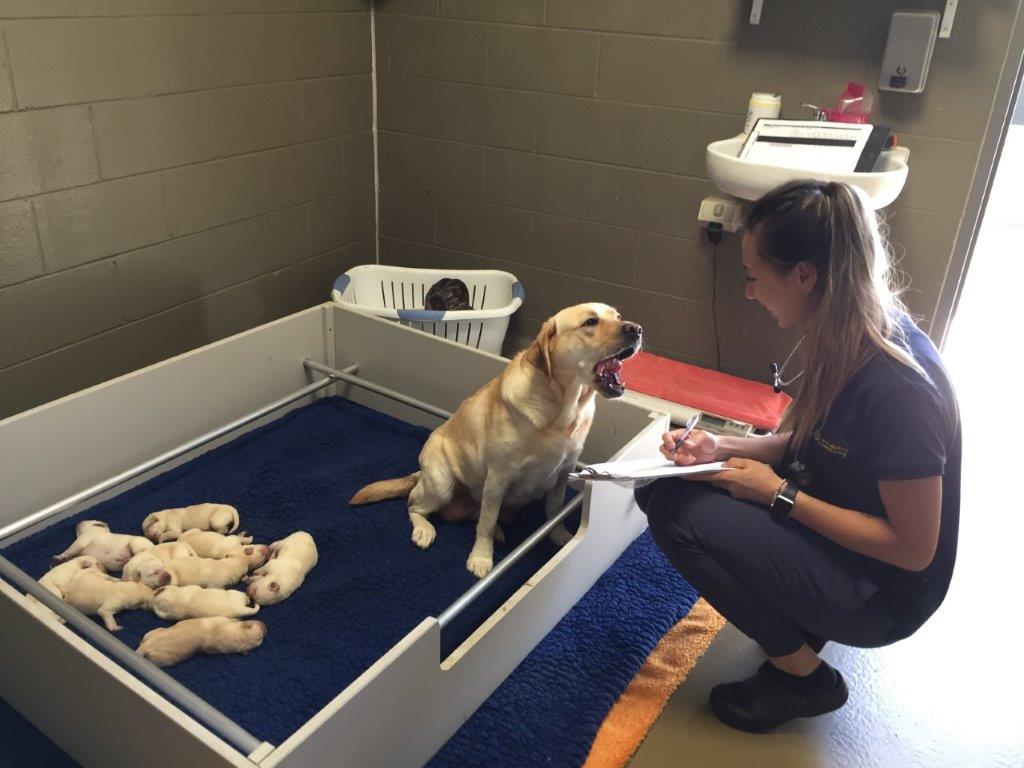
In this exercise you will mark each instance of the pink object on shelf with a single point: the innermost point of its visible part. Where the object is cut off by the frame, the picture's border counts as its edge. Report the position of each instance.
(854, 105)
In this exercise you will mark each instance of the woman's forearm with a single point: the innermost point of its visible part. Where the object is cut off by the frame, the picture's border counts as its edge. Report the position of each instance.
(766, 448)
(865, 534)
(906, 535)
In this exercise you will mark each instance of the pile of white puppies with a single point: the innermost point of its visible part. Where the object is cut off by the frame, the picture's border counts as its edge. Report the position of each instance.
(182, 570)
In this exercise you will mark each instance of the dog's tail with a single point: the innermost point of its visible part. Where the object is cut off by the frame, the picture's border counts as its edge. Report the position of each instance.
(386, 489)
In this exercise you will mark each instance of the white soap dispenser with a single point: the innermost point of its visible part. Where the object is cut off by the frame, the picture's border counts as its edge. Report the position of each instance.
(908, 51)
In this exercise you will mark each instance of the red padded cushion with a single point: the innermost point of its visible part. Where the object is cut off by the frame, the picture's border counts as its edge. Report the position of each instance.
(734, 398)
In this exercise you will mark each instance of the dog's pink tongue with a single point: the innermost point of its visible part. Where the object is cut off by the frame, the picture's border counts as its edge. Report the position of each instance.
(610, 365)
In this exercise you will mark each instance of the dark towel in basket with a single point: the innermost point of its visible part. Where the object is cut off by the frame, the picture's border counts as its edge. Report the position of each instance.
(449, 294)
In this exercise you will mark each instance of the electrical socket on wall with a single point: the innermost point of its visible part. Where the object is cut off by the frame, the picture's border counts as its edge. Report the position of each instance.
(725, 211)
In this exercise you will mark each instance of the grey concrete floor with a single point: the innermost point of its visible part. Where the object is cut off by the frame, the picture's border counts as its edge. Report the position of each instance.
(950, 696)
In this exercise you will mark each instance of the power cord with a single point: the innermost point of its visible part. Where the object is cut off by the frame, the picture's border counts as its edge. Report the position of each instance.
(715, 236)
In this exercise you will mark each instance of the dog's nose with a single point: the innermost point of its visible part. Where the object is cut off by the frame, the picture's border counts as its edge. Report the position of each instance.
(632, 330)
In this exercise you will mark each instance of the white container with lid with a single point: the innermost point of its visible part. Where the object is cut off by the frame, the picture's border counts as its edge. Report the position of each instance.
(762, 105)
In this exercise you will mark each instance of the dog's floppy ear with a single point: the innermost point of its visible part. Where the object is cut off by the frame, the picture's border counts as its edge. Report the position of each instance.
(539, 352)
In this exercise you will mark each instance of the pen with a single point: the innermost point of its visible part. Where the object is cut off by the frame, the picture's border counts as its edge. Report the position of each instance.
(690, 424)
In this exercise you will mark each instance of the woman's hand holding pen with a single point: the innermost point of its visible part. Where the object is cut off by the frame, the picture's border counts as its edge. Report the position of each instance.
(699, 447)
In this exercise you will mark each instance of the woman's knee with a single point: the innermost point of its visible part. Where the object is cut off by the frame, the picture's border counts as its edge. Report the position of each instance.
(669, 506)
(658, 501)
(662, 492)
(643, 496)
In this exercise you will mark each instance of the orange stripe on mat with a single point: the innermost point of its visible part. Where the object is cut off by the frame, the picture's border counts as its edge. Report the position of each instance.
(640, 704)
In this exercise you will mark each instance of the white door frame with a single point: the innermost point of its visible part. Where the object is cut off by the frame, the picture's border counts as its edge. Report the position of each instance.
(1007, 91)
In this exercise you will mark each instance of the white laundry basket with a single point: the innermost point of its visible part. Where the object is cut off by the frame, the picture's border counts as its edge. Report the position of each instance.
(398, 293)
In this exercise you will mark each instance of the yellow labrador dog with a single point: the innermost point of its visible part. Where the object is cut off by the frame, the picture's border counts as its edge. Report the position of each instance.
(518, 437)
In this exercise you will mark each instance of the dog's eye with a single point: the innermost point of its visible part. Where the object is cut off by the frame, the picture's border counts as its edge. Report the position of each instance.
(590, 321)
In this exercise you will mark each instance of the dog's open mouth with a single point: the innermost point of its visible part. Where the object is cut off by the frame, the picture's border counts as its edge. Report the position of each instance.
(606, 373)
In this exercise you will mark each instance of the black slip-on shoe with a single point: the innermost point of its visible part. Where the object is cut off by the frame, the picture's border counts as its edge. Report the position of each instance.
(759, 703)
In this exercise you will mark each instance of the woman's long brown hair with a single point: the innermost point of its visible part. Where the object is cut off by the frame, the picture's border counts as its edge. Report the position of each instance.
(856, 307)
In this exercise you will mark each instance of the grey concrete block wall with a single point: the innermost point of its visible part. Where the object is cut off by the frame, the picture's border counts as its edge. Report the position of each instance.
(171, 172)
(177, 170)
(563, 141)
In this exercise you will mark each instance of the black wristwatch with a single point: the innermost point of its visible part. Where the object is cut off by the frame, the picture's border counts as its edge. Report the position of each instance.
(783, 501)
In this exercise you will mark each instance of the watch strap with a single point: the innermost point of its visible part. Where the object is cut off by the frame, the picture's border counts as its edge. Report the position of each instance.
(784, 501)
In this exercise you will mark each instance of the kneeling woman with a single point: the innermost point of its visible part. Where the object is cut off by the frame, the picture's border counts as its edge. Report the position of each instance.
(843, 526)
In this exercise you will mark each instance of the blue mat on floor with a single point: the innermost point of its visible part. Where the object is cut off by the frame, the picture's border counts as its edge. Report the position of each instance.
(372, 586)
(548, 710)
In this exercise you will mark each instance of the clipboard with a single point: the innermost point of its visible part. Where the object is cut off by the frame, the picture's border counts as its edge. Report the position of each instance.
(645, 470)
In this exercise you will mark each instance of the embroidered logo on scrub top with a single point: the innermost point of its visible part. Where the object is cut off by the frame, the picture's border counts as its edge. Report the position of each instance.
(829, 446)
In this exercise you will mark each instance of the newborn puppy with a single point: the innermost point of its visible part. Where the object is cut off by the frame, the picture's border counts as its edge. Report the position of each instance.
(97, 594)
(255, 554)
(218, 634)
(169, 524)
(173, 550)
(57, 578)
(176, 603)
(213, 544)
(291, 560)
(147, 568)
(113, 550)
(150, 567)
(56, 581)
(207, 572)
(210, 544)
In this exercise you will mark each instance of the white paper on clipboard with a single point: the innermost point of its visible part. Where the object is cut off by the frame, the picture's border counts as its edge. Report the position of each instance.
(645, 469)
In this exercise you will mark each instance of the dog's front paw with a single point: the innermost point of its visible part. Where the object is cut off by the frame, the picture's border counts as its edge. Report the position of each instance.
(423, 534)
(479, 565)
(560, 536)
